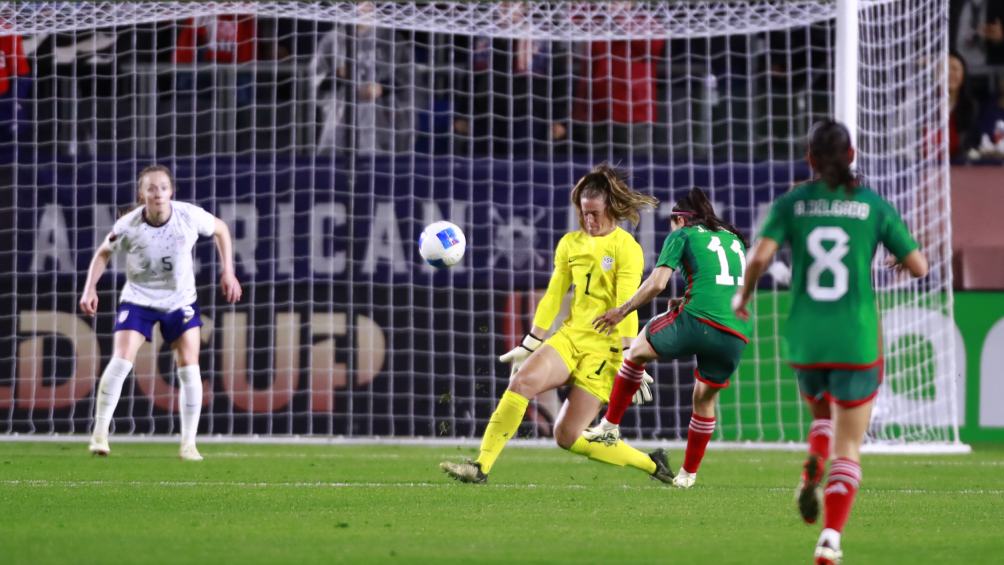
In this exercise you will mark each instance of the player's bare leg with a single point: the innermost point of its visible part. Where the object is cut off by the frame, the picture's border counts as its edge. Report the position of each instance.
(186, 352)
(579, 410)
(125, 346)
(809, 494)
(850, 425)
(625, 385)
(543, 370)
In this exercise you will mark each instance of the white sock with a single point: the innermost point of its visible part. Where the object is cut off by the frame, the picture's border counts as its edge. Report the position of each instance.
(831, 537)
(109, 391)
(604, 424)
(190, 399)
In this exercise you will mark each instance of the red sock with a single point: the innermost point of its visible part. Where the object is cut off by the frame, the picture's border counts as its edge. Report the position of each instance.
(627, 383)
(698, 436)
(845, 475)
(820, 437)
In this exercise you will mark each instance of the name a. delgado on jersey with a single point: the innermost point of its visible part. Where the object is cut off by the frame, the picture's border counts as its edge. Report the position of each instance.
(833, 208)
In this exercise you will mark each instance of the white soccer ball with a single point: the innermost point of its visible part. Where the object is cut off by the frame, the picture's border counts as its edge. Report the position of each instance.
(442, 244)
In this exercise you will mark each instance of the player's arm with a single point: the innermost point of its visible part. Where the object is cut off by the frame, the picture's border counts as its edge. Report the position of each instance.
(652, 287)
(89, 298)
(547, 309)
(896, 237)
(225, 247)
(915, 263)
(759, 262)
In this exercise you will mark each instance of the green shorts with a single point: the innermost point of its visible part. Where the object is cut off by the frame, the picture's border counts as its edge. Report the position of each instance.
(674, 335)
(846, 387)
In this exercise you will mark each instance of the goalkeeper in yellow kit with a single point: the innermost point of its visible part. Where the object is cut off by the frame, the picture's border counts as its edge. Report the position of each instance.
(604, 264)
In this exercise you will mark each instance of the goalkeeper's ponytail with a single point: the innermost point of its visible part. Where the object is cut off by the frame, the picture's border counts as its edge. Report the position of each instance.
(606, 182)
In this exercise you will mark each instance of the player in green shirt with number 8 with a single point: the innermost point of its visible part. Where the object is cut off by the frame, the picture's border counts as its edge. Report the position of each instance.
(834, 225)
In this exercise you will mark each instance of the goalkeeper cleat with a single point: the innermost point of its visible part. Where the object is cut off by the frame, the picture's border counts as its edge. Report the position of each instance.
(809, 493)
(684, 479)
(662, 472)
(466, 472)
(99, 445)
(602, 434)
(189, 452)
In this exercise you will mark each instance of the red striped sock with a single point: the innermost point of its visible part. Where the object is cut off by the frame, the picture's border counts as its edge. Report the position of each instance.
(845, 476)
(820, 437)
(698, 436)
(627, 383)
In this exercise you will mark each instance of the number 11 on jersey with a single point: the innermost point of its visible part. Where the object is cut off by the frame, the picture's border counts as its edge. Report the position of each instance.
(725, 278)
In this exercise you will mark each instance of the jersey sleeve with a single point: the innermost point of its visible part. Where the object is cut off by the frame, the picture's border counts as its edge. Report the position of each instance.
(561, 279)
(894, 234)
(204, 222)
(118, 233)
(777, 224)
(672, 250)
(632, 264)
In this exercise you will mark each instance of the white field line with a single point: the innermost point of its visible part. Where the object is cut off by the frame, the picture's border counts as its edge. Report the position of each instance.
(322, 485)
(876, 448)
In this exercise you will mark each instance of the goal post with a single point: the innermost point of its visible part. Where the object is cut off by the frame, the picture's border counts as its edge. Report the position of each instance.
(328, 134)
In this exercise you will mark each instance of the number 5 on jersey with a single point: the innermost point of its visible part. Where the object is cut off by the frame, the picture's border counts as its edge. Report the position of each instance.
(725, 278)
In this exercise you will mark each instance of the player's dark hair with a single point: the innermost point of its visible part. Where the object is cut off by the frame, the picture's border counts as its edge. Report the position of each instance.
(829, 143)
(606, 182)
(696, 209)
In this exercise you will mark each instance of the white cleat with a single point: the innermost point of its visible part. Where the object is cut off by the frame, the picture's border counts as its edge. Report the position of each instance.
(684, 479)
(828, 548)
(826, 555)
(189, 452)
(601, 434)
(99, 445)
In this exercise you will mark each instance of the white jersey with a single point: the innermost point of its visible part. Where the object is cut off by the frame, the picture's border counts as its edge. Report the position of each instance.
(159, 272)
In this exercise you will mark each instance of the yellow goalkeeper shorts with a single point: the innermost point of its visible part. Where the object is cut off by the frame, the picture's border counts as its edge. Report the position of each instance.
(592, 361)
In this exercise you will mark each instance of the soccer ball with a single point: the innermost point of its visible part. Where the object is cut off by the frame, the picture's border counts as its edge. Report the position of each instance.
(442, 244)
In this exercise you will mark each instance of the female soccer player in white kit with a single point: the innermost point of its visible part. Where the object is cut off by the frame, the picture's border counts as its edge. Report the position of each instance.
(157, 238)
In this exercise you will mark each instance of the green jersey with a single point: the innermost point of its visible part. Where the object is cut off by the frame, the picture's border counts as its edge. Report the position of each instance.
(834, 320)
(714, 263)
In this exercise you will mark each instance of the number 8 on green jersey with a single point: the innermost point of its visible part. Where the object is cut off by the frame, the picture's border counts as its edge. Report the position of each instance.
(834, 319)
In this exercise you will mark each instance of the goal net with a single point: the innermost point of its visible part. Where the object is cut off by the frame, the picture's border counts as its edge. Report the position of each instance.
(327, 134)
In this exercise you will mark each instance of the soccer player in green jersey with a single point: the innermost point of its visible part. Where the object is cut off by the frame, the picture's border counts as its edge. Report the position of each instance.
(834, 225)
(712, 255)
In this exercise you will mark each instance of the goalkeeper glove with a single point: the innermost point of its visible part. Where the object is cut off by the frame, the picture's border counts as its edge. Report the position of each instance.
(517, 355)
(644, 394)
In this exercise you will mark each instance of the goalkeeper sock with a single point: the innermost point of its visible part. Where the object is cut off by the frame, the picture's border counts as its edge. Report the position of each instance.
(845, 476)
(501, 427)
(698, 436)
(627, 383)
(190, 399)
(820, 437)
(109, 390)
(619, 454)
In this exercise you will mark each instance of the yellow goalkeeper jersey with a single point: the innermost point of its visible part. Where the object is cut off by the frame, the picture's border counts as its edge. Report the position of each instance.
(605, 272)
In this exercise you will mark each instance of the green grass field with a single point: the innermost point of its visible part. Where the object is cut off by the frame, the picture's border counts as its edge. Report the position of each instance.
(352, 504)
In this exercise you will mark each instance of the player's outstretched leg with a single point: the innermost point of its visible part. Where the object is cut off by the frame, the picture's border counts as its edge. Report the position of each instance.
(109, 391)
(501, 428)
(627, 383)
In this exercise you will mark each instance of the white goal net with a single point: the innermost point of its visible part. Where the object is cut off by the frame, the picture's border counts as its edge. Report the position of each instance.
(328, 133)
